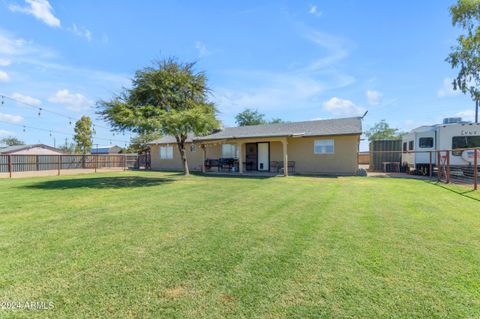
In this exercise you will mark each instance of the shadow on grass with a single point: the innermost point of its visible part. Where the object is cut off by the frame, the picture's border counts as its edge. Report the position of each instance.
(228, 175)
(101, 182)
(460, 190)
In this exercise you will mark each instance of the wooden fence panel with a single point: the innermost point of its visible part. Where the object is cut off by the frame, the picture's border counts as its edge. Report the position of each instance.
(29, 163)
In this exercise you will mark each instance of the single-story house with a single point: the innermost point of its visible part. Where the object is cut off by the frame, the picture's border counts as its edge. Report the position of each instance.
(309, 147)
(32, 149)
(108, 149)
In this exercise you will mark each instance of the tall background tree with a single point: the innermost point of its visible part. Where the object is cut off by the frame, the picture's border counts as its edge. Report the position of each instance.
(168, 97)
(383, 131)
(83, 135)
(465, 56)
(253, 117)
(139, 143)
(11, 141)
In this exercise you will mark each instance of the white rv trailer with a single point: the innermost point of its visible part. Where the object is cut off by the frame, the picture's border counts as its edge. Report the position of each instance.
(451, 135)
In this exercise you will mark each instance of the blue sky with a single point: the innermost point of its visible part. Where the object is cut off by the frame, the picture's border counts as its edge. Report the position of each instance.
(297, 60)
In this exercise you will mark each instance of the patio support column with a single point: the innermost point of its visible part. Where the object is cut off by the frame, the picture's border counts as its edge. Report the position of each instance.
(240, 158)
(204, 157)
(285, 157)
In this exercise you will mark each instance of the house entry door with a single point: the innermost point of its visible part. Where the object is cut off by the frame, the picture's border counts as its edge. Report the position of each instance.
(251, 156)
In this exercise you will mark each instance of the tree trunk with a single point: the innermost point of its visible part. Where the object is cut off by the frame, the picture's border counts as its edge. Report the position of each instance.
(183, 155)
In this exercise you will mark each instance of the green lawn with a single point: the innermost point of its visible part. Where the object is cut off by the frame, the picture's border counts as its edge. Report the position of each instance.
(147, 244)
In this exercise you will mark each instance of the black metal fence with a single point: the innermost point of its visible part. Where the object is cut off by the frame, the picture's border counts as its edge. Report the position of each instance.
(30, 163)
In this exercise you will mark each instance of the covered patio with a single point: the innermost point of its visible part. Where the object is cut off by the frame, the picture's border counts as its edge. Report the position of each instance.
(252, 157)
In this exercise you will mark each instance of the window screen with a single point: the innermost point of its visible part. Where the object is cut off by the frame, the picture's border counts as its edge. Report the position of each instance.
(465, 141)
(425, 142)
(410, 146)
(324, 147)
(166, 152)
(230, 151)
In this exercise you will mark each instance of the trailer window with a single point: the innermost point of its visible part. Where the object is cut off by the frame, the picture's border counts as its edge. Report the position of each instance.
(404, 146)
(425, 142)
(410, 146)
(465, 142)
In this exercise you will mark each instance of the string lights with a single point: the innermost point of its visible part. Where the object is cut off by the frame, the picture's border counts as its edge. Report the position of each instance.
(42, 111)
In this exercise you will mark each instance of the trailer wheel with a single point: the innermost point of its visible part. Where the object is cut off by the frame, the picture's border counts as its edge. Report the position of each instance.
(423, 170)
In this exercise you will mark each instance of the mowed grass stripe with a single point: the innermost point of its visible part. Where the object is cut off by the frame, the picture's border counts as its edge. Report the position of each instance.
(147, 244)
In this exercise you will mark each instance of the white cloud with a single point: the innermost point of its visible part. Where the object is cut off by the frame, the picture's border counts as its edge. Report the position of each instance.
(10, 118)
(467, 115)
(202, 49)
(6, 133)
(373, 97)
(335, 47)
(72, 101)
(4, 77)
(11, 46)
(81, 32)
(5, 62)
(40, 9)
(447, 89)
(26, 99)
(314, 10)
(341, 107)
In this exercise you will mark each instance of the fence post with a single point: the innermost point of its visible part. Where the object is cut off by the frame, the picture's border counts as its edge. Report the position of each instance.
(96, 162)
(448, 167)
(475, 169)
(124, 161)
(36, 163)
(430, 169)
(10, 166)
(59, 163)
(439, 168)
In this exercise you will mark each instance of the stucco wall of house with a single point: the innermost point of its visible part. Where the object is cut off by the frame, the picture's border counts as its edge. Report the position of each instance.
(342, 162)
(194, 157)
(301, 150)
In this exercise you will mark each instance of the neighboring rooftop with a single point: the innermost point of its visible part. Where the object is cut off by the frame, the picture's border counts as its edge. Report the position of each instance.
(103, 149)
(18, 148)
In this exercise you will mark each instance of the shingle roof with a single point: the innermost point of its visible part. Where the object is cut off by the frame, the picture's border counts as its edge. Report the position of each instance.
(343, 126)
(168, 139)
(307, 128)
(16, 148)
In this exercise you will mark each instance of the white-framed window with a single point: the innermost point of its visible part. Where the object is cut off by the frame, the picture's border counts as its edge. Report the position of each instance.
(193, 148)
(230, 151)
(324, 147)
(166, 152)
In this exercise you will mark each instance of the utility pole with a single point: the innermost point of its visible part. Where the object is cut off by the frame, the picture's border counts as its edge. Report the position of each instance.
(476, 111)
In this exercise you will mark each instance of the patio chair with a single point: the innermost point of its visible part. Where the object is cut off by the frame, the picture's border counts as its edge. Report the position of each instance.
(226, 164)
(274, 166)
(210, 163)
(291, 167)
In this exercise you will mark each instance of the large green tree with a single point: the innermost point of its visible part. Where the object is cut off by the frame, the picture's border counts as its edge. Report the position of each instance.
(465, 55)
(168, 97)
(250, 117)
(254, 117)
(383, 131)
(11, 141)
(83, 135)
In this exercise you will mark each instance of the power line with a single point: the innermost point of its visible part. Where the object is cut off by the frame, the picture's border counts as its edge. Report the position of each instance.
(43, 109)
(59, 132)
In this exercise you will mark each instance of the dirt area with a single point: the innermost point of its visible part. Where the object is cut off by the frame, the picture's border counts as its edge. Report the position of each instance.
(55, 172)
